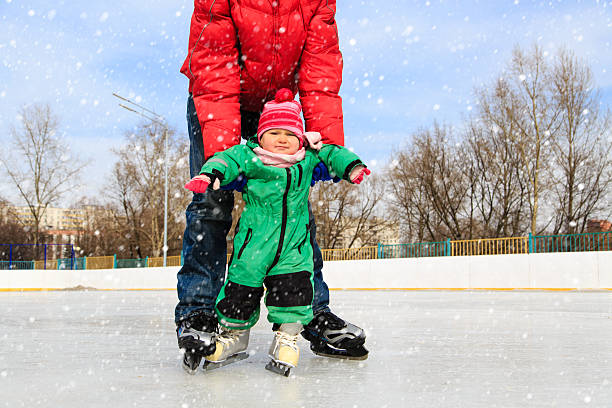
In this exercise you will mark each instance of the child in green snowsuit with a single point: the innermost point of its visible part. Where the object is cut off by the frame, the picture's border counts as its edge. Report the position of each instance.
(272, 242)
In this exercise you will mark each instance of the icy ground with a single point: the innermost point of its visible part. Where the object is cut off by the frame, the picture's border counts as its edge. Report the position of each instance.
(428, 349)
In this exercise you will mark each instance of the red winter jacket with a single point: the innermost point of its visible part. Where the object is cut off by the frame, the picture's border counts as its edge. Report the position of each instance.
(242, 52)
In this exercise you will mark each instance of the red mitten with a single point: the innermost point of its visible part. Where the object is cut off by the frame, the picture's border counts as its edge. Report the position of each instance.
(358, 173)
(198, 184)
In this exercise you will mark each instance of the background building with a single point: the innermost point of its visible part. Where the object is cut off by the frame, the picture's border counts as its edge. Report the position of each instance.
(53, 219)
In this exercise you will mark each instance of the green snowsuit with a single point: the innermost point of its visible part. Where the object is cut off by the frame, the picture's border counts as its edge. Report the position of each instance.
(272, 241)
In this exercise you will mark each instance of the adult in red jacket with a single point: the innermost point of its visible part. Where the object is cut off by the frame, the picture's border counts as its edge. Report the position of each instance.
(240, 54)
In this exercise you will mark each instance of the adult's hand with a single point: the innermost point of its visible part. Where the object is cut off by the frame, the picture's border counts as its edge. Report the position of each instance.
(320, 173)
(237, 184)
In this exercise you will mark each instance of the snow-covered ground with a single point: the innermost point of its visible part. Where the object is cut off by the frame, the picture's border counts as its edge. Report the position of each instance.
(428, 349)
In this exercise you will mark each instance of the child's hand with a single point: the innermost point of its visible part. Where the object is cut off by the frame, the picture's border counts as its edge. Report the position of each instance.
(200, 183)
(358, 173)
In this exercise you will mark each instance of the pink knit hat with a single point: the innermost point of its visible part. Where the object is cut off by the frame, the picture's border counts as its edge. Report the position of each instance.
(282, 113)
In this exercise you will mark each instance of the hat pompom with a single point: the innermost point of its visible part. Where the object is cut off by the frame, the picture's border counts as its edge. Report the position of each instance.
(283, 95)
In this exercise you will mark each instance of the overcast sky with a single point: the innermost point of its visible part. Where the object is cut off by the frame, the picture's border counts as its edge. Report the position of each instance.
(407, 63)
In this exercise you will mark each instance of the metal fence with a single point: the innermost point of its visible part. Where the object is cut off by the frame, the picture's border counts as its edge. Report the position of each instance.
(131, 263)
(7, 265)
(415, 250)
(100, 262)
(591, 241)
(490, 246)
(69, 263)
(170, 261)
(594, 241)
(349, 254)
(42, 256)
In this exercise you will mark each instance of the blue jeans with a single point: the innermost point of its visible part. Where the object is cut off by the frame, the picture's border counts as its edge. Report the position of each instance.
(209, 219)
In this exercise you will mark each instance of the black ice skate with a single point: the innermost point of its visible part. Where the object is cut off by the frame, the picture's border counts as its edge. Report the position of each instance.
(196, 336)
(330, 336)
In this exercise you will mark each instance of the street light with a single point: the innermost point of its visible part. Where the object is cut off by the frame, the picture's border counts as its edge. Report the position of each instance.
(154, 117)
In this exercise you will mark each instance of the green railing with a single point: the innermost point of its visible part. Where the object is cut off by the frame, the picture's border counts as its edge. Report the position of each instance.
(6, 265)
(416, 250)
(68, 263)
(590, 241)
(131, 263)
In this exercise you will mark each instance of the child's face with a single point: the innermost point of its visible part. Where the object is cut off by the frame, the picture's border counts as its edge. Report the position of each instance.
(280, 141)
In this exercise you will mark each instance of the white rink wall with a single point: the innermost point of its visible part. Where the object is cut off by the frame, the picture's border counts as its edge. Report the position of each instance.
(579, 270)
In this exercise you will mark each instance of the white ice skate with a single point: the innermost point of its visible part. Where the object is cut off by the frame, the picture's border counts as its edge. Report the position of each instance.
(284, 351)
(230, 348)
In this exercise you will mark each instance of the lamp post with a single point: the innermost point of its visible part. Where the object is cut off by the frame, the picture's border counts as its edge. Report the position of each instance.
(154, 117)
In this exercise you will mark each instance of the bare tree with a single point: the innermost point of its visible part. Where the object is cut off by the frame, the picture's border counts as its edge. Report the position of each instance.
(101, 234)
(536, 118)
(346, 215)
(136, 190)
(408, 198)
(330, 206)
(39, 164)
(369, 219)
(500, 190)
(538, 143)
(581, 165)
(542, 119)
(11, 232)
(429, 191)
(439, 163)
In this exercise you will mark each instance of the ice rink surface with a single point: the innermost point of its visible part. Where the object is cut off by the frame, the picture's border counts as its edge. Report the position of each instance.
(427, 349)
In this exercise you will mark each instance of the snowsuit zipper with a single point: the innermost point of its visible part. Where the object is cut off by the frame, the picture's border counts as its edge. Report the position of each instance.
(300, 170)
(305, 238)
(283, 221)
(246, 241)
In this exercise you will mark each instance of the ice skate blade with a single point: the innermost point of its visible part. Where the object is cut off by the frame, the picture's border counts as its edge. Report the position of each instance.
(278, 368)
(191, 367)
(210, 365)
(189, 370)
(341, 357)
(359, 353)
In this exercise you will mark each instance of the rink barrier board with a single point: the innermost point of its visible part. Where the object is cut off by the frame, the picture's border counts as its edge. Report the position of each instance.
(560, 271)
